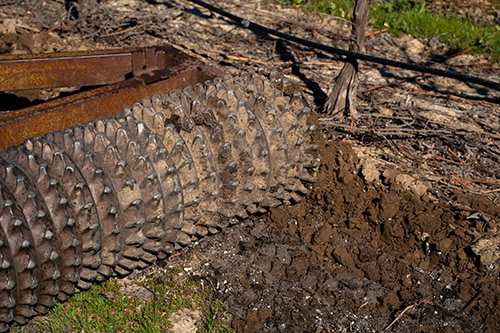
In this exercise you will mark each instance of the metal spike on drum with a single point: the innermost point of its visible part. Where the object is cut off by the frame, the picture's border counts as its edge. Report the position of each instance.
(102, 193)
(202, 156)
(66, 241)
(19, 255)
(38, 221)
(173, 145)
(107, 197)
(79, 196)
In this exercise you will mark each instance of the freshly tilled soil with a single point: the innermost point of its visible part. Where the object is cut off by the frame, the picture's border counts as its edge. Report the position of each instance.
(360, 249)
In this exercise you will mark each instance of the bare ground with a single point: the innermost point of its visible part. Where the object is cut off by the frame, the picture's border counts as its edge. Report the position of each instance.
(401, 230)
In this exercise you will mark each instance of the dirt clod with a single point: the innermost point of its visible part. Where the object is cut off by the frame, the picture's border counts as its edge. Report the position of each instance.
(354, 254)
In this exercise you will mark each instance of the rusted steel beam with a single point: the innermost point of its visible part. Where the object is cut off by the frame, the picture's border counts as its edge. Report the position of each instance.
(176, 71)
(78, 69)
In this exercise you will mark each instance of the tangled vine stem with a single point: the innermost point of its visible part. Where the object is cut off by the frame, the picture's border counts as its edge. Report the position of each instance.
(116, 194)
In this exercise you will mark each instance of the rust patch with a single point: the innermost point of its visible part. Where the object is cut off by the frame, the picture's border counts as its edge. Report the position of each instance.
(152, 70)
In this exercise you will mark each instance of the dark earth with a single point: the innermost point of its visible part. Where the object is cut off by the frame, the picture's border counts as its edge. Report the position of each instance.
(401, 231)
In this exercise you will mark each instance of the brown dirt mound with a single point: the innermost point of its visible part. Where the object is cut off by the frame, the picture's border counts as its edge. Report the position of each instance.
(356, 253)
(413, 246)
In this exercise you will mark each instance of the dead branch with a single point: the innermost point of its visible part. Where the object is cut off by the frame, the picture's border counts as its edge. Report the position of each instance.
(404, 311)
(439, 158)
(491, 191)
(451, 4)
(260, 62)
(479, 181)
(462, 99)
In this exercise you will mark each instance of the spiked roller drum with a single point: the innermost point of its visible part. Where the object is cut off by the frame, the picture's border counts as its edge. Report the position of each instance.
(116, 194)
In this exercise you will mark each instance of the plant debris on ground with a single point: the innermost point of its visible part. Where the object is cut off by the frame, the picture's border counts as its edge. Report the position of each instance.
(400, 232)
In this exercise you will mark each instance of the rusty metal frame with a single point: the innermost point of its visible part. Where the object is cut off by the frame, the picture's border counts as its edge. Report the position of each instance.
(124, 77)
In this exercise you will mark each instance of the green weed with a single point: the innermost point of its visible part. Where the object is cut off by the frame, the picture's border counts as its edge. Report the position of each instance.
(215, 318)
(289, 2)
(419, 20)
(105, 308)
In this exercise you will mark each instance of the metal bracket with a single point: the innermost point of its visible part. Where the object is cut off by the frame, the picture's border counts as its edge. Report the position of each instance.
(123, 77)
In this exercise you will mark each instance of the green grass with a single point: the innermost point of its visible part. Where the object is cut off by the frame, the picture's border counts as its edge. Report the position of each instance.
(105, 308)
(215, 318)
(419, 20)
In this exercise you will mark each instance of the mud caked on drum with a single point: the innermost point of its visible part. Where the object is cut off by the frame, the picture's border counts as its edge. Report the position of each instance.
(116, 194)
